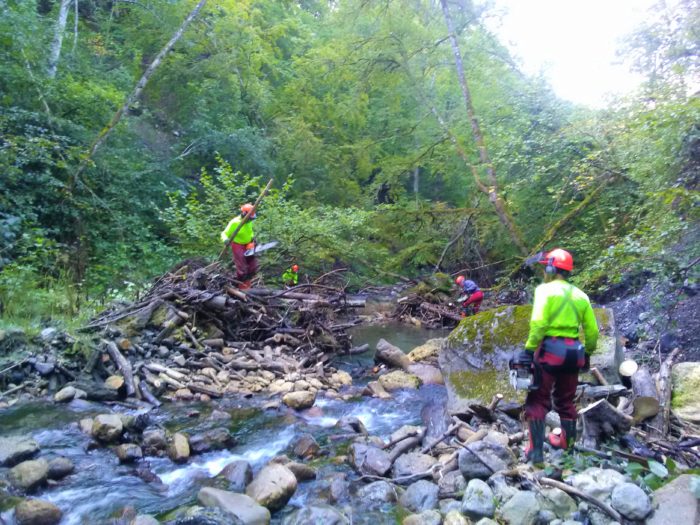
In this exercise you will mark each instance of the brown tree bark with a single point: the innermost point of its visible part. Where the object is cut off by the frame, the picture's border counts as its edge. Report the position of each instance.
(491, 190)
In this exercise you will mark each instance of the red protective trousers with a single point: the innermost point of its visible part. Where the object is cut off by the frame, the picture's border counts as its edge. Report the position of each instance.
(246, 267)
(474, 301)
(559, 387)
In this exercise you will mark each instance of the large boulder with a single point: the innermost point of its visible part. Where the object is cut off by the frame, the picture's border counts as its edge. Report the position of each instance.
(240, 507)
(428, 374)
(686, 385)
(316, 514)
(676, 503)
(16, 449)
(397, 380)
(107, 428)
(427, 350)
(274, 485)
(369, 460)
(29, 474)
(474, 359)
(37, 512)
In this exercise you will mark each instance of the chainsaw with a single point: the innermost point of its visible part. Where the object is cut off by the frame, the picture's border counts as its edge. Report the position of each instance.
(261, 248)
(522, 376)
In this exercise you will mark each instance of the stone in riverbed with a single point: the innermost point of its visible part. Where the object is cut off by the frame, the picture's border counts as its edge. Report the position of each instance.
(306, 447)
(631, 501)
(179, 449)
(478, 500)
(412, 463)
(481, 459)
(676, 503)
(378, 492)
(144, 519)
(301, 471)
(153, 441)
(16, 449)
(557, 501)
(215, 439)
(29, 474)
(60, 467)
(521, 509)
(107, 428)
(369, 460)
(315, 515)
(686, 383)
(427, 517)
(129, 452)
(238, 506)
(419, 496)
(597, 482)
(299, 400)
(397, 380)
(238, 474)
(273, 486)
(65, 394)
(454, 517)
(37, 512)
(430, 348)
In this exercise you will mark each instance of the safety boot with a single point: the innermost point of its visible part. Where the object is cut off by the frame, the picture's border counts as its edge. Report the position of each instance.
(534, 451)
(245, 285)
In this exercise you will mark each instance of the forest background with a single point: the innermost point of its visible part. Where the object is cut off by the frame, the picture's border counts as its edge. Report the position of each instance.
(355, 110)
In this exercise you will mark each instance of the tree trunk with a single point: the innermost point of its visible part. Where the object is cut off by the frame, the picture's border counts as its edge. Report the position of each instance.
(57, 43)
(646, 402)
(136, 93)
(492, 189)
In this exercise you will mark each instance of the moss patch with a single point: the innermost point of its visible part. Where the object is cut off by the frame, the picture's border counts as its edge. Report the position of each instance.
(686, 385)
(483, 385)
(499, 328)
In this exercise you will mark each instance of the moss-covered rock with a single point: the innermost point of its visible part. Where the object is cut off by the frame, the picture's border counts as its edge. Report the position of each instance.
(474, 359)
(686, 385)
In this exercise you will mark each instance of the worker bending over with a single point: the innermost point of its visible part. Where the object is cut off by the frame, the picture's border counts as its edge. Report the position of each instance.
(246, 266)
(471, 300)
(554, 351)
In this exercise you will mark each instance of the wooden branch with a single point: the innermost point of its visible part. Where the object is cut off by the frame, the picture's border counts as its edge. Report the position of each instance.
(582, 495)
(599, 377)
(441, 311)
(659, 425)
(403, 446)
(450, 430)
(147, 394)
(123, 365)
(452, 243)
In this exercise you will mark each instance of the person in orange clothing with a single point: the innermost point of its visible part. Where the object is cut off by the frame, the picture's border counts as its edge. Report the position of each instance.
(246, 266)
(472, 296)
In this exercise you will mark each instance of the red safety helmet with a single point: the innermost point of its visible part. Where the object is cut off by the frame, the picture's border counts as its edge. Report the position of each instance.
(557, 258)
(248, 207)
(459, 280)
(295, 268)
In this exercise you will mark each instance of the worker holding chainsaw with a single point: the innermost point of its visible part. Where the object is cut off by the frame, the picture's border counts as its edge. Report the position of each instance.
(246, 265)
(553, 352)
(471, 297)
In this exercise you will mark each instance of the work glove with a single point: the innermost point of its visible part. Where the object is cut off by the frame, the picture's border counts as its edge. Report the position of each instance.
(525, 357)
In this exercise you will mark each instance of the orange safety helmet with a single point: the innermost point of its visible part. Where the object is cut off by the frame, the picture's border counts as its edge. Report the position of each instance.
(295, 268)
(559, 259)
(459, 280)
(248, 207)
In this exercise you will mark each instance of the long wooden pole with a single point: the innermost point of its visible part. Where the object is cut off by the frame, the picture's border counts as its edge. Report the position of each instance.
(246, 217)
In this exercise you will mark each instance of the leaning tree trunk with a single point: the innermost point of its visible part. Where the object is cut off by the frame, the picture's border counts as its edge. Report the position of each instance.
(138, 89)
(57, 43)
(491, 190)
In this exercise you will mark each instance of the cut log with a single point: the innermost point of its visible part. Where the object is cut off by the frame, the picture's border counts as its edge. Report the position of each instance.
(123, 365)
(602, 420)
(147, 394)
(169, 372)
(626, 370)
(659, 425)
(598, 392)
(391, 355)
(646, 402)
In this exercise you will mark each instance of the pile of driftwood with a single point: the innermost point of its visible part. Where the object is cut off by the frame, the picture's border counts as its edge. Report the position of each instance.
(196, 334)
(415, 309)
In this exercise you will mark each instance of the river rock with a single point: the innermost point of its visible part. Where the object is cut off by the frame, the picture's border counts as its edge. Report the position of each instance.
(481, 459)
(37, 512)
(273, 486)
(340, 379)
(391, 355)
(65, 395)
(419, 496)
(60, 467)
(144, 519)
(351, 424)
(338, 488)
(215, 439)
(45, 368)
(238, 474)
(676, 503)
(453, 481)
(397, 380)
(412, 463)
(29, 474)
(429, 349)
(482, 344)
(153, 441)
(375, 389)
(377, 492)
(179, 449)
(454, 517)
(237, 506)
(427, 374)
(406, 431)
(597, 482)
(315, 515)
(557, 501)
(301, 471)
(486, 521)
(478, 499)
(427, 517)
(85, 425)
(107, 428)
(299, 400)
(129, 452)
(16, 449)
(686, 385)
(521, 509)
(369, 460)
(631, 501)
(306, 447)
(219, 415)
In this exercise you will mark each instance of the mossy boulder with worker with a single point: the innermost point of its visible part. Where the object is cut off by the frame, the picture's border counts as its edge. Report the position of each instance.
(244, 240)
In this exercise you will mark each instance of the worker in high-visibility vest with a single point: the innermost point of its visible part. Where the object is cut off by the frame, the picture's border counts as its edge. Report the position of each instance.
(246, 266)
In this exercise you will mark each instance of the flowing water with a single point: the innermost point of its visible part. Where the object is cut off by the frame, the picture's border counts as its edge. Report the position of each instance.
(100, 488)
